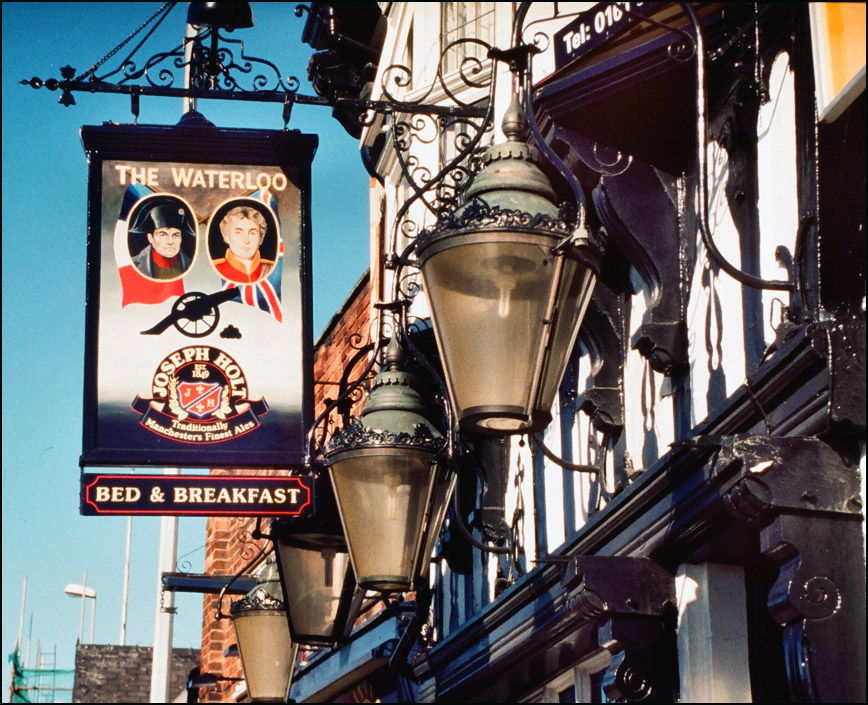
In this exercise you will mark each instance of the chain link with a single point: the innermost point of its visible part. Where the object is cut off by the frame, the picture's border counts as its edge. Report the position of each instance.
(165, 7)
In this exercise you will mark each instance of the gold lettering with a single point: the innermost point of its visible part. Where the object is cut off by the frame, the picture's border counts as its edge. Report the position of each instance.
(180, 494)
(133, 494)
(122, 170)
(181, 176)
(102, 494)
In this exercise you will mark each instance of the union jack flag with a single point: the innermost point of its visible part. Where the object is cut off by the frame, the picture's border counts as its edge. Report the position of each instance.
(264, 294)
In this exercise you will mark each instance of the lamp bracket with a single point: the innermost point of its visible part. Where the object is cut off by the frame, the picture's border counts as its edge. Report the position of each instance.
(220, 69)
(518, 57)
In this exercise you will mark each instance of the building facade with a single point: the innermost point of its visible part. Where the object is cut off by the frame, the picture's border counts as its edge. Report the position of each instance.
(690, 525)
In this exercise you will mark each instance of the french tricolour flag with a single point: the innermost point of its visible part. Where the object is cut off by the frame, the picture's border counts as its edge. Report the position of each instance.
(137, 288)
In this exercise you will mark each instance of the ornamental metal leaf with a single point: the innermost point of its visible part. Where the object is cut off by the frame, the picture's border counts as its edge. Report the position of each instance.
(257, 599)
(357, 435)
(478, 215)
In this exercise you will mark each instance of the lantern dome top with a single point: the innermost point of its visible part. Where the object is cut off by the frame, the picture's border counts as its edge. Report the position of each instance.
(394, 413)
(511, 177)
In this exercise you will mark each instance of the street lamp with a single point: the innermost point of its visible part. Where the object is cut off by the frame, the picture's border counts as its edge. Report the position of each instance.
(322, 598)
(264, 643)
(83, 591)
(508, 279)
(391, 493)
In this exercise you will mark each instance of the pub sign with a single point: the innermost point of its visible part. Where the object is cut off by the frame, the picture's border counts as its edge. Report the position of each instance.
(196, 495)
(198, 332)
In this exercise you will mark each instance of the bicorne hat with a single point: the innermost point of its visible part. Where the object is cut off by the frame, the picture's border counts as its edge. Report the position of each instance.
(162, 212)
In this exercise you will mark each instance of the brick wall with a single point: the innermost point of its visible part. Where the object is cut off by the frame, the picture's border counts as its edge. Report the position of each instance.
(122, 674)
(228, 541)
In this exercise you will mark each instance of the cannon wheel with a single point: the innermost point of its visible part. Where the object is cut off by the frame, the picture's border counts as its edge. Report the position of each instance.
(199, 323)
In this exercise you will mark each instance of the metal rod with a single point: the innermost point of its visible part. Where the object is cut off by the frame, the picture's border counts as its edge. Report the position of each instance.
(126, 583)
(189, 103)
(21, 617)
(575, 467)
(164, 620)
(465, 532)
(92, 617)
(382, 106)
(81, 618)
(702, 167)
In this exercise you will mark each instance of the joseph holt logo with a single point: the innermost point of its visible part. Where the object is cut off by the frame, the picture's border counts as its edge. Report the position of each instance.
(199, 395)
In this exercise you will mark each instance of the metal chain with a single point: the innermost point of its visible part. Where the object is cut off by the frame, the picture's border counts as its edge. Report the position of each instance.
(166, 6)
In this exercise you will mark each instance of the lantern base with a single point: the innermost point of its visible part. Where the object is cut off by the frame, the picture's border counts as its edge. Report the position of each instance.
(500, 420)
(385, 583)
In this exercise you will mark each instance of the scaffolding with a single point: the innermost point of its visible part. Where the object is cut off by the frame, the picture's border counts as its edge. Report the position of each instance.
(44, 684)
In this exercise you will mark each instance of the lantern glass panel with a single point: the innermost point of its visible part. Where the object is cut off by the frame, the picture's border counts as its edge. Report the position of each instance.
(267, 653)
(382, 495)
(489, 299)
(314, 574)
(443, 490)
(572, 302)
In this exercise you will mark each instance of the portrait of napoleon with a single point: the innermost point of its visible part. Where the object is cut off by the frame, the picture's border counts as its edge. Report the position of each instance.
(243, 241)
(162, 237)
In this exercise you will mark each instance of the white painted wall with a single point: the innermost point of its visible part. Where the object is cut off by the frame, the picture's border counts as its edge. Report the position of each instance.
(712, 634)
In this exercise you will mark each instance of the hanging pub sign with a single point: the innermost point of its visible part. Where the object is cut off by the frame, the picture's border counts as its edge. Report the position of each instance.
(196, 495)
(198, 335)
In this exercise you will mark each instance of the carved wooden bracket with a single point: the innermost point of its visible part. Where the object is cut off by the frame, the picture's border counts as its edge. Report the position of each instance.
(633, 600)
(640, 210)
(805, 499)
(601, 335)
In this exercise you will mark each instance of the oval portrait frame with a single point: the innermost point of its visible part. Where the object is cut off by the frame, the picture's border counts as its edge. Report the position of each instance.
(137, 240)
(269, 248)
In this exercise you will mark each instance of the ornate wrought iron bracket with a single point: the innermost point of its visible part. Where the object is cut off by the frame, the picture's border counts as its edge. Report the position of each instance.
(385, 107)
(209, 59)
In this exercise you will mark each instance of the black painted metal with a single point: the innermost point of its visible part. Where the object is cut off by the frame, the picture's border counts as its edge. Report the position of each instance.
(208, 584)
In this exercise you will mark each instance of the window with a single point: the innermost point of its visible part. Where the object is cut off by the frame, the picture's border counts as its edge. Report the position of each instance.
(465, 20)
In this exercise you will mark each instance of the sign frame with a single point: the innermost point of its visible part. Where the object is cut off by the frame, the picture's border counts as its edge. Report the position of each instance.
(188, 495)
(289, 152)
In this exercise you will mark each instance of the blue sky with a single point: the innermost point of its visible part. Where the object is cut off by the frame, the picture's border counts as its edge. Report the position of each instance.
(44, 238)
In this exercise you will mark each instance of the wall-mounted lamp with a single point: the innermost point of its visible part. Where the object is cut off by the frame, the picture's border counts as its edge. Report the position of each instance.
(264, 642)
(322, 598)
(391, 492)
(508, 278)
